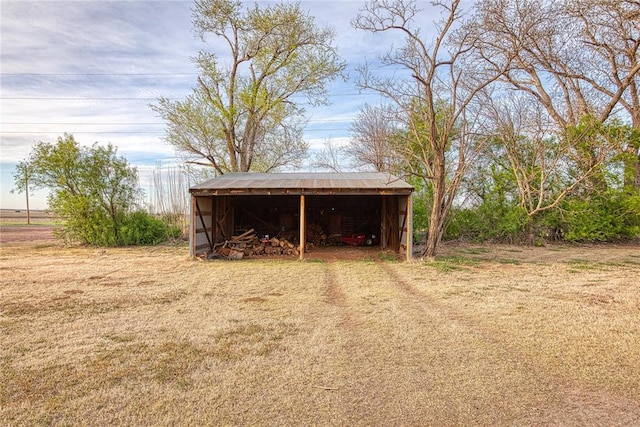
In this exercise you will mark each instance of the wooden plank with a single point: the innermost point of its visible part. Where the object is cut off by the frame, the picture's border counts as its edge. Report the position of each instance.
(402, 229)
(202, 222)
(203, 230)
(410, 227)
(192, 228)
(303, 237)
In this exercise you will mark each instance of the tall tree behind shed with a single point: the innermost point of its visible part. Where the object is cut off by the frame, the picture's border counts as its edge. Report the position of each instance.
(240, 116)
(610, 32)
(432, 102)
(577, 62)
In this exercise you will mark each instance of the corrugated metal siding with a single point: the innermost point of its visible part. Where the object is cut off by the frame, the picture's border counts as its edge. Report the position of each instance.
(305, 181)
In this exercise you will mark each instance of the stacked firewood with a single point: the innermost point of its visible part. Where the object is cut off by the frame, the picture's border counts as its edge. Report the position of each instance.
(276, 246)
(238, 246)
(248, 244)
(316, 235)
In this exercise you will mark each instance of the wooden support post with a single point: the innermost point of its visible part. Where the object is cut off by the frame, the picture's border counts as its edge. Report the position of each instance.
(383, 223)
(192, 228)
(303, 237)
(409, 227)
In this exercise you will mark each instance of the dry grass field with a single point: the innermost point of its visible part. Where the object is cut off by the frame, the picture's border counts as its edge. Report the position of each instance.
(487, 335)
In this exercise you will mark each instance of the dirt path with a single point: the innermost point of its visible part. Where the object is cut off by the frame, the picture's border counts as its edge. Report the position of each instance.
(404, 344)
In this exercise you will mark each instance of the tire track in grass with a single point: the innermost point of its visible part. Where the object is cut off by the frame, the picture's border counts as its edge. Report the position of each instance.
(336, 296)
(567, 400)
(406, 364)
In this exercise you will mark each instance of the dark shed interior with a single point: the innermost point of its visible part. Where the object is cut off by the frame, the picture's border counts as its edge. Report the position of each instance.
(334, 216)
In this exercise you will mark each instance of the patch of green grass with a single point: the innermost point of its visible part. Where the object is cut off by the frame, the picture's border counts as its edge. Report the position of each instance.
(446, 264)
(510, 261)
(612, 264)
(475, 251)
(458, 260)
(443, 266)
(45, 245)
(581, 264)
(387, 256)
(119, 338)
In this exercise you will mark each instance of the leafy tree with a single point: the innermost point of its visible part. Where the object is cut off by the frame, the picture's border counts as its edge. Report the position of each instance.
(22, 178)
(548, 164)
(609, 31)
(93, 190)
(495, 215)
(241, 116)
(574, 61)
(433, 101)
(611, 215)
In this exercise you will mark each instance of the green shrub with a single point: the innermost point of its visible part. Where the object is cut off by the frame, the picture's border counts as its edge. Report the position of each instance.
(140, 228)
(84, 222)
(613, 215)
(488, 221)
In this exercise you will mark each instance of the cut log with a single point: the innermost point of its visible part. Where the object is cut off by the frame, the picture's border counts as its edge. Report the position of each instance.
(235, 254)
(244, 235)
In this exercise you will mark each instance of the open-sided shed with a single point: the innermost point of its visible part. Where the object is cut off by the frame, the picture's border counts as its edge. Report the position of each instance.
(298, 204)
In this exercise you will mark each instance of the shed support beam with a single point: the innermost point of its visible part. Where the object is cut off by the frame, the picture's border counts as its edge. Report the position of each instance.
(303, 234)
(409, 229)
(192, 228)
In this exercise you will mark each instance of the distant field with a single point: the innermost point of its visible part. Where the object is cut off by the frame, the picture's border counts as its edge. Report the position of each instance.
(489, 335)
(19, 217)
(14, 227)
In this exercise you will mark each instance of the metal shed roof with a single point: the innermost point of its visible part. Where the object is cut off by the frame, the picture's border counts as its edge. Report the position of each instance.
(303, 183)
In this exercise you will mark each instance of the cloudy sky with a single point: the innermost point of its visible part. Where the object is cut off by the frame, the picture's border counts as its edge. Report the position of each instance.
(91, 68)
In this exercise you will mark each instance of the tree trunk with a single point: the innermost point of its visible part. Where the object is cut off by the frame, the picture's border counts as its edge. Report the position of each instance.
(636, 150)
(28, 211)
(438, 213)
(432, 237)
(530, 238)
